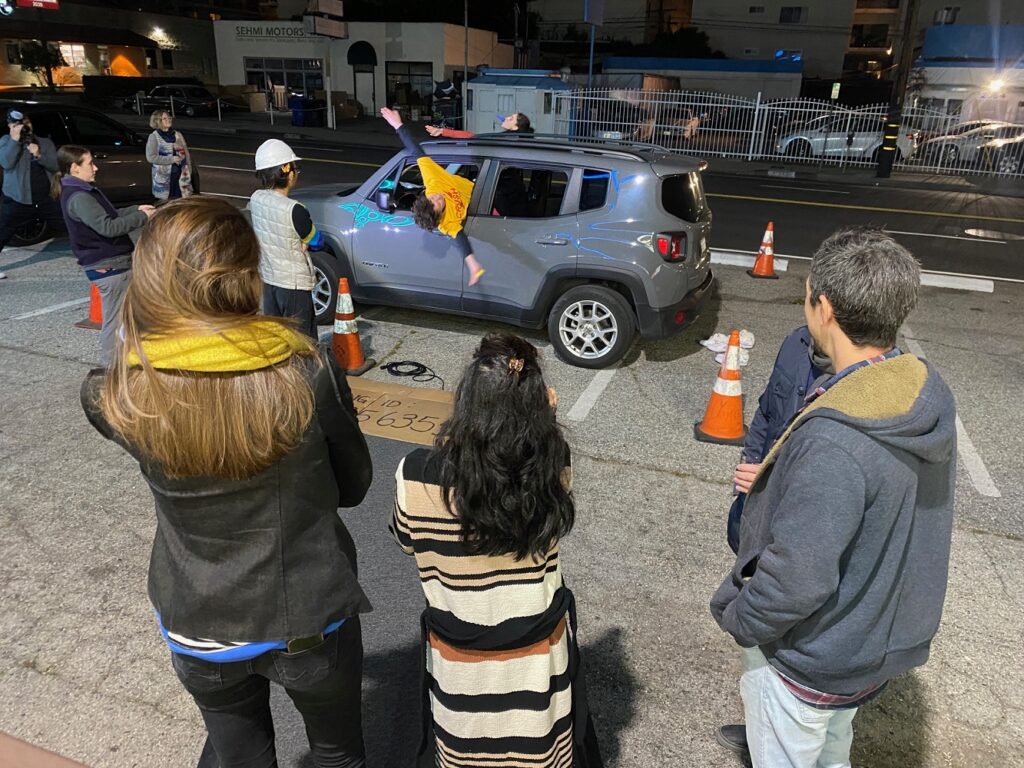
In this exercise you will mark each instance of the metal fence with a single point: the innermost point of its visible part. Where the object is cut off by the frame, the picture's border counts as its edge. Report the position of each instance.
(791, 130)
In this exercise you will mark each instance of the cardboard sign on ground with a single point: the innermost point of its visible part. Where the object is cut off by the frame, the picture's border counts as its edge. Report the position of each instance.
(397, 412)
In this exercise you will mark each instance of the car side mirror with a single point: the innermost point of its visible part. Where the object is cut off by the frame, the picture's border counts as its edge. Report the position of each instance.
(384, 201)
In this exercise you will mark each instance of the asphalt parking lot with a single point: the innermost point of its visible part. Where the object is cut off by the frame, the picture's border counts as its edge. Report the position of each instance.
(85, 674)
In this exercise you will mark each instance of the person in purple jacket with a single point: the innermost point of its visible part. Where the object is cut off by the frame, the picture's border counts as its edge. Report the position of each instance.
(99, 234)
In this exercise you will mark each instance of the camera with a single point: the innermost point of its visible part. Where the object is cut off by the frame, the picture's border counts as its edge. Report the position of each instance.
(27, 136)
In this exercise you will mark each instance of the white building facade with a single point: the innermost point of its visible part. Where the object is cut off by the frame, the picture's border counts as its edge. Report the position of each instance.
(378, 64)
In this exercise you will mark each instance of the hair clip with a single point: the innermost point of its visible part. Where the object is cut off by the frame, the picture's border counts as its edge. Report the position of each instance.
(515, 365)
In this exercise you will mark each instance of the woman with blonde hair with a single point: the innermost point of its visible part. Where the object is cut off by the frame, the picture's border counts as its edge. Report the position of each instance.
(167, 152)
(249, 442)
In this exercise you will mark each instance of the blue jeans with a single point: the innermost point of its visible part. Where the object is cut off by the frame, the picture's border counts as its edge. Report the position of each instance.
(783, 731)
(324, 683)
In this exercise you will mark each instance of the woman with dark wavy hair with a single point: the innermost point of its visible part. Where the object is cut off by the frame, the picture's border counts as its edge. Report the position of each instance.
(483, 512)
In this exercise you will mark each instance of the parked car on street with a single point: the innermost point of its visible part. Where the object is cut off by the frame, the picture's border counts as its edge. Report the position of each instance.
(189, 100)
(594, 241)
(120, 153)
(843, 135)
(964, 147)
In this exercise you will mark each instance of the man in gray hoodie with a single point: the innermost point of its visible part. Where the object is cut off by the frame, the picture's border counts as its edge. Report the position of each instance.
(844, 544)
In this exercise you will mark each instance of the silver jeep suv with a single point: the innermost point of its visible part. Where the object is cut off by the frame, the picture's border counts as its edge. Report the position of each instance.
(596, 241)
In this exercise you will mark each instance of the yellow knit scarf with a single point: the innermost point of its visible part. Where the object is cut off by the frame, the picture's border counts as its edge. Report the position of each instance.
(259, 345)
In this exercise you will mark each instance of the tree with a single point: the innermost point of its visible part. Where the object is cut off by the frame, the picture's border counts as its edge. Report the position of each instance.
(40, 57)
(683, 43)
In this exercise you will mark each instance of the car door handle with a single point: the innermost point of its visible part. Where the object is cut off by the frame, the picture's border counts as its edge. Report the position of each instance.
(553, 241)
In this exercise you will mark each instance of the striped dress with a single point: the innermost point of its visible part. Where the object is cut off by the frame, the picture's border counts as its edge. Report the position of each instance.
(511, 707)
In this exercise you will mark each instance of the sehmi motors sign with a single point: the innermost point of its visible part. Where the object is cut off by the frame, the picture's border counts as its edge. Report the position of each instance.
(270, 32)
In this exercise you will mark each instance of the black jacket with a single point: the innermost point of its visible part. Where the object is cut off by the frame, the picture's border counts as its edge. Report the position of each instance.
(265, 558)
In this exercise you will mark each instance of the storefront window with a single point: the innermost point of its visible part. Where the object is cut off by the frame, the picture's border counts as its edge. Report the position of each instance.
(299, 76)
(410, 83)
(73, 54)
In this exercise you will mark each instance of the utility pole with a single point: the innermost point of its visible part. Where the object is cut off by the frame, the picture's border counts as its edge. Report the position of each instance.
(465, 60)
(887, 153)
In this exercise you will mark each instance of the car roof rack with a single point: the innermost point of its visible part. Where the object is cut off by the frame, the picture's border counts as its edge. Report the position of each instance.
(610, 147)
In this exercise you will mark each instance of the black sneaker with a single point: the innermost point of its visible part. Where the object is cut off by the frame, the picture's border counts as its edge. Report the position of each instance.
(733, 737)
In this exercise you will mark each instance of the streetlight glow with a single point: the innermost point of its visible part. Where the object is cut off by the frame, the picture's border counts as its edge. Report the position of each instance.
(157, 32)
(995, 86)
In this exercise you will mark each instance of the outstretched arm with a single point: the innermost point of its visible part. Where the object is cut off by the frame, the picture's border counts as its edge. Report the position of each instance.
(395, 121)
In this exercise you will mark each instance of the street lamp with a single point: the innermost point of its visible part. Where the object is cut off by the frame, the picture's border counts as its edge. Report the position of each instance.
(996, 85)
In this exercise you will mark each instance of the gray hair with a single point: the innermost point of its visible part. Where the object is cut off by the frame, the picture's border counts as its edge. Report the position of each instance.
(871, 282)
(154, 119)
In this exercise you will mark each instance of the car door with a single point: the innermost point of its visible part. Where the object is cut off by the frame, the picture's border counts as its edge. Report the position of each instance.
(394, 261)
(124, 175)
(523, 226)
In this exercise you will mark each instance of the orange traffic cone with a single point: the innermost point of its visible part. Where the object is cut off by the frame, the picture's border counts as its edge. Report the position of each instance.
(95, 318)
(348, 351)
(764, 265)
(723, 419)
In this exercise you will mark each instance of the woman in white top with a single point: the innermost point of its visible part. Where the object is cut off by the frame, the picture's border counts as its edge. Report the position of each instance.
(167, 152)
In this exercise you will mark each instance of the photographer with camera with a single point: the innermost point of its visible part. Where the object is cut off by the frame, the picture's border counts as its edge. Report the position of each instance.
(28, 162)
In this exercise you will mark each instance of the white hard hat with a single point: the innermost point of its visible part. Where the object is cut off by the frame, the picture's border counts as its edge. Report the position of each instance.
(272, 153)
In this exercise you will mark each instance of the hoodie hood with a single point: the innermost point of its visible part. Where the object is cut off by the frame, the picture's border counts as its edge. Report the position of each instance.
(901, 402)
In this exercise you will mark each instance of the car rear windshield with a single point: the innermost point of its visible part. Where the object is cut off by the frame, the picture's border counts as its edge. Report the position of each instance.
(683, 196)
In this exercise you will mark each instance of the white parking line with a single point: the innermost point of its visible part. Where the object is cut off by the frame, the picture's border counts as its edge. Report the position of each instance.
(969, 456)
(51, 308)
(957, 282)
(225, 194)
(228, 168)
(805, 189)
(597, 385)
(946, 237)
(745, 259)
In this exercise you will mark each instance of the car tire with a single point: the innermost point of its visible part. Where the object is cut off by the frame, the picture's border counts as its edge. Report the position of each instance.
(949, 155)
(799, 149)
(591, 326)
(325, 287)
(31, 232)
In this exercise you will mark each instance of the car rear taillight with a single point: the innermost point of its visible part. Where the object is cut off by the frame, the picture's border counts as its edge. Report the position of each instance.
(671, 246)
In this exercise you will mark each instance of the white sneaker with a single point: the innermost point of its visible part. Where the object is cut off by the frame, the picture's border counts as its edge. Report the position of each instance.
(744, 357)
(3, 275)
(717, 343)
(746, 339)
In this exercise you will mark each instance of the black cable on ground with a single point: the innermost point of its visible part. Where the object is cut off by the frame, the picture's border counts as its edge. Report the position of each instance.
(418, 371)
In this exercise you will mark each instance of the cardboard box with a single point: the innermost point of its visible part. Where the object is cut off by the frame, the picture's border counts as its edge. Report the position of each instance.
(397, 412)
(257, 102)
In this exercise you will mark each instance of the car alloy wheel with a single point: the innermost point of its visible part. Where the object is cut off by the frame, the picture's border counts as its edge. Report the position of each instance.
(800, 148)
(1009, 164)
(588, 329)
(322, 293)
(325, 285)
(950, 154)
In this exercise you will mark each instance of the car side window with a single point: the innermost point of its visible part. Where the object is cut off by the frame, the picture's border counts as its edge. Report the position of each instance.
(594, 189)
(50, 125)
(529, 192)
(409, 184)
(94, 131)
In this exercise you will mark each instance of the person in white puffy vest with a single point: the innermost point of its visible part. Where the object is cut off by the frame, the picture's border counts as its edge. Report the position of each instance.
(285, 232)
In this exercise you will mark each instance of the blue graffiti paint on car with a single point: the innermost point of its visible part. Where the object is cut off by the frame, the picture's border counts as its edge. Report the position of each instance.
(364, 215)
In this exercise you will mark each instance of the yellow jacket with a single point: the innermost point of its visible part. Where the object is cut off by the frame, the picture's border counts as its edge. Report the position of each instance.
(456, 190)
